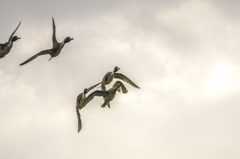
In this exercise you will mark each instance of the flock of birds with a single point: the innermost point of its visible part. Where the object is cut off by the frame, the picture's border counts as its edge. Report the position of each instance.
(108, 95)
(82, 98)
(53, 52)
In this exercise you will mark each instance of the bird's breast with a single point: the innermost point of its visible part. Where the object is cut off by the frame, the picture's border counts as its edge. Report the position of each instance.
(58, 49)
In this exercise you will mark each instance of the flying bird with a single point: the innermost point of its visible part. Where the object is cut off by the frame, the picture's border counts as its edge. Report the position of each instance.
(55, 50)
(7, 46)
(109, 95)
(108, 78)
(81, 103)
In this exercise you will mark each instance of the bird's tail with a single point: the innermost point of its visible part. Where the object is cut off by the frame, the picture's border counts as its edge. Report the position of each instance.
(50, 58)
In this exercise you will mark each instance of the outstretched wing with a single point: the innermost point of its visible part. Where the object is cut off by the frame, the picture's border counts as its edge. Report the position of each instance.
(54, 39)
(44, 52)
(125, 79)
(124, 89)
(122, 86)
(90, 88)
(79, 119)
(14, 32)
(92, 95)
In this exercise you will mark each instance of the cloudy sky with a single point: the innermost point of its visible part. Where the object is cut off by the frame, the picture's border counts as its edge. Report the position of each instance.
(185, 56)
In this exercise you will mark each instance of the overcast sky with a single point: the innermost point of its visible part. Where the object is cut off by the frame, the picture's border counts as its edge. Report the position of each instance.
(185, 56)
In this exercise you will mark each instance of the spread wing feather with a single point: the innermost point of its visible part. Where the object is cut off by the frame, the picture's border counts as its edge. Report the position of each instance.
(90, 88)
(92, 95)
(124, 89)
(14, 32)
(44, 52)
(54, 39)
(79, 119)
(125, 79)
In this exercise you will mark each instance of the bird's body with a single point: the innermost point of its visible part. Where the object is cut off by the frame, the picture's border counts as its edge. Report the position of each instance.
(58, 49)
(7, 46)
(55, 50)
(108, 78)
(110, 94)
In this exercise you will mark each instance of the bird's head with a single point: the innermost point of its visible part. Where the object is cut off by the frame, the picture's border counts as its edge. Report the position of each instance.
(15, 38)
(67, 39)
(116, 69)
(85, 90)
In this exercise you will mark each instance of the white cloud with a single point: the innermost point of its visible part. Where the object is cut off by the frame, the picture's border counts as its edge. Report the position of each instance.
(183, 55)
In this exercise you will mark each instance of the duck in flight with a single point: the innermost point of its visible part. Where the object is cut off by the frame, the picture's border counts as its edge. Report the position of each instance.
(55, 50)
(6, 47)
(81, 103)
(109, 95)
(108, 78)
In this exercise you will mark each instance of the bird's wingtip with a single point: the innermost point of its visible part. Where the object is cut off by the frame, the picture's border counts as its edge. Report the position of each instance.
(79, 128)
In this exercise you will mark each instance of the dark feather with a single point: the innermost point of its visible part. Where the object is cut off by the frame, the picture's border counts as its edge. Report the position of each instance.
(92, 95)
(44, 52)
(14, 32)
(54, 39)
(90, 88)
(125, 79)
(79, 119)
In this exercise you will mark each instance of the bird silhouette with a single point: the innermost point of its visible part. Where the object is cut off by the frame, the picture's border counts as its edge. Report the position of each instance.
(7, 46)
(81, 103)
(55, 50)
(108, 78)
